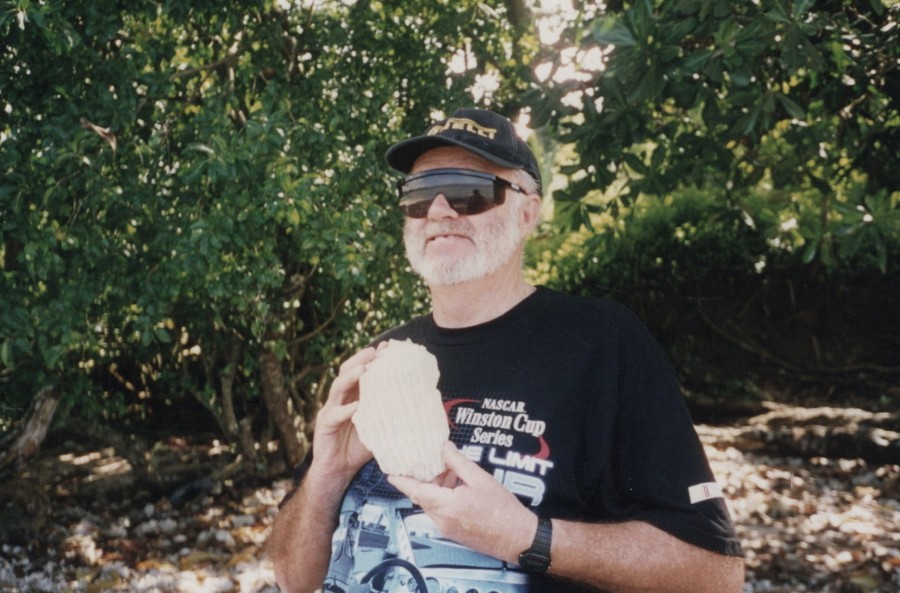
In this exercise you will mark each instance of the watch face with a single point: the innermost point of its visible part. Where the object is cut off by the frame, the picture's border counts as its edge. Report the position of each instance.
(534, 562)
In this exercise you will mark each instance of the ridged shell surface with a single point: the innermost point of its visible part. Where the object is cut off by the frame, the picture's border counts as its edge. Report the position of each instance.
(400, 417)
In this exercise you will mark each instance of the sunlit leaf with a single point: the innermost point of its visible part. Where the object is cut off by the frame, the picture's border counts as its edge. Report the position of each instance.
(612, 31)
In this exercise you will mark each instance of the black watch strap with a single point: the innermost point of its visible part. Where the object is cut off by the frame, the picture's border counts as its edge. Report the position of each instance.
(536, 559)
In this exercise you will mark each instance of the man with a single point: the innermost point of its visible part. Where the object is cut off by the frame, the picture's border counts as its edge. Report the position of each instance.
(574, 464)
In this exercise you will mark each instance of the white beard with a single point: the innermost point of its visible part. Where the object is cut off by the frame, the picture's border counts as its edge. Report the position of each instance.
(495, 245)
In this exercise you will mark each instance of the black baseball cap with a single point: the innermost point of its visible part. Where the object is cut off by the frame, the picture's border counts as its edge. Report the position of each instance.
(484, 132)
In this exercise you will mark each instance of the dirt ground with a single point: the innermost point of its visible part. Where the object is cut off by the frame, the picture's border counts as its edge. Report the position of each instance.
(807, 523)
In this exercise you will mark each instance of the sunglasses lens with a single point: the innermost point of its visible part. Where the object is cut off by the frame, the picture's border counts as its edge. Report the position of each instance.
(467, 193)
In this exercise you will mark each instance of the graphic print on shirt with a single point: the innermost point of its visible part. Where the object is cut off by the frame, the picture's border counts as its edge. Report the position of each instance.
(499, 435)
(385, 543)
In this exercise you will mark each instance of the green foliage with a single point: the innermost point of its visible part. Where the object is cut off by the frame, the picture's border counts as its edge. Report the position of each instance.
(185, 187)
(797, 96)
(857, 237)
(689, 246)
(693, 245)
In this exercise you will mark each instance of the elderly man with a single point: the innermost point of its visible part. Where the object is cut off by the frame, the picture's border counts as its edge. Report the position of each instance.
(574, 465)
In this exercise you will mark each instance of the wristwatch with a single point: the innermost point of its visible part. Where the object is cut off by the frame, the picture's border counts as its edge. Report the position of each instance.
(536, 559)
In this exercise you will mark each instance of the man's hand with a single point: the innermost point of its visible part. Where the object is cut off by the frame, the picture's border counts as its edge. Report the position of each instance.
(300, 543)
(338, 452)
(471, 508)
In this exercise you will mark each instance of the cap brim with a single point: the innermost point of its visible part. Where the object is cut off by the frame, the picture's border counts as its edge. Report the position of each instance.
(402, 156)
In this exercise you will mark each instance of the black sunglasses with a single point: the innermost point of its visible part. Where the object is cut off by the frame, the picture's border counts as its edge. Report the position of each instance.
(468, 192)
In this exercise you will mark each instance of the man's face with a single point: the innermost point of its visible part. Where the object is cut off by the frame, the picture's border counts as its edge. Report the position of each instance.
(448, 248)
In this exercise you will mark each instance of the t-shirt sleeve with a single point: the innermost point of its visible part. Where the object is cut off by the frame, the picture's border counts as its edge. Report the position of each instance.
(662, 474)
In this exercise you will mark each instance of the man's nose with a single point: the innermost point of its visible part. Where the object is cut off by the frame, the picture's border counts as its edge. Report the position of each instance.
(440, 209)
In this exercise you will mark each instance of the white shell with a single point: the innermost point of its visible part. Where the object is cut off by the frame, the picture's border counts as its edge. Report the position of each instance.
(400, 417)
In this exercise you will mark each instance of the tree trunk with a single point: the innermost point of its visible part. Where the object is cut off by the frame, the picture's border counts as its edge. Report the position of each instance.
(25, 442)
(237, 432)
(281, 411)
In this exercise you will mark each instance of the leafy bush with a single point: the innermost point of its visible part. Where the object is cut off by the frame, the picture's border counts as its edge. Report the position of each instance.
(195, 203)
(687, 246)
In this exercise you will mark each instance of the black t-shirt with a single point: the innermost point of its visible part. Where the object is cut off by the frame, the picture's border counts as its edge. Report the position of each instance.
(571, 404)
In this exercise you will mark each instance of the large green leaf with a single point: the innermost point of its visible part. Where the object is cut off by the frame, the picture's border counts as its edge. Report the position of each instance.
(612, 31)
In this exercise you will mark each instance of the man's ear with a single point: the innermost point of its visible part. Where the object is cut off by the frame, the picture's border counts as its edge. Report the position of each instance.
(531, 214)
